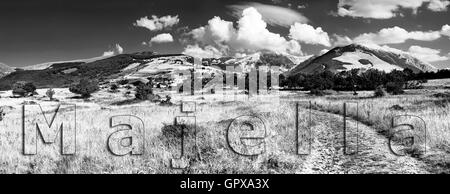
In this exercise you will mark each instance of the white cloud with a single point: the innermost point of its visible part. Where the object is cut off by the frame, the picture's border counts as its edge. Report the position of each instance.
(250, 35)
(438, 5)
(157, 23)
(385, 9)
(385, 48)
(221, 30)
(108, 53)
(445, 30)
(119, 49)
(307, 34)
(206, 52)
(395, 35)
(253, 34)
(216, 32)
(162, 38)
(426, 54)
(114, 51)
(273, 15)
(339, 40)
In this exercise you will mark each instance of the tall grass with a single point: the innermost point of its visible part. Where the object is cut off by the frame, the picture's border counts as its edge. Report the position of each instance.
(162, 142)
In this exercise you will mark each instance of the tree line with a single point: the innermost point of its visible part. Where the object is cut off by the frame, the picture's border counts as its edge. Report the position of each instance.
(355, 80)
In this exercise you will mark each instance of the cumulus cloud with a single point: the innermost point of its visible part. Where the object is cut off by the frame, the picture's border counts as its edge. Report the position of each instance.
(395, 35)
(339, 40)
(206, 52)
(216, 32)
(221, 30)
(423, 53)
(162, 38)
(250, 35)
(108, 53)
(386, 48)
(438, 5)
(385, 9)
(273, 15)
(426, 54)
(254, 35)
(114, 51)
(445, 30)
(119, 49)
(307, 34)
(157, 23)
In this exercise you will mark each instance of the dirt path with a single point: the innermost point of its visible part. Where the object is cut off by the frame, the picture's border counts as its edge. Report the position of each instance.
(374, 155)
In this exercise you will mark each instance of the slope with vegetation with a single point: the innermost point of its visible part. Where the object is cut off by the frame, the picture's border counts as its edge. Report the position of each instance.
(64, 74)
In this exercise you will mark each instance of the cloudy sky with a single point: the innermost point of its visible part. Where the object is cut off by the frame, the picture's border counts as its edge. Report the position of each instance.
(33, 32)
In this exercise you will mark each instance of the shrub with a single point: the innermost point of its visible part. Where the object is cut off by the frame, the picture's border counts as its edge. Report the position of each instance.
(396, 107)
(19, 92)
(113, 88)
(127, 94)
(144, 91)
(122, 82)
(394, 88)
(442, 95)
(24, 89)
(167, 101)
(2, 114)
(30, 88)
(128, 87)
(317, 92)
(50, 92)
(379, 92)
(85, 88)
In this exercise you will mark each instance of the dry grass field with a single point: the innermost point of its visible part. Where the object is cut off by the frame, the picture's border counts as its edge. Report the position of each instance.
(322, 126)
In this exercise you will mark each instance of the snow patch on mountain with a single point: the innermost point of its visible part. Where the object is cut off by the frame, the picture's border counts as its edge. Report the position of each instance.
(364, 61)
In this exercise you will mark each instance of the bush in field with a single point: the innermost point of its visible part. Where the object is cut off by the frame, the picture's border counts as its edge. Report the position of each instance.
(128, 87)
(394, 88)
(123, 82)
(50, 93)
(30, 88)
(167, 101)
(24, 89)
(415, 84)
(379, 92)
(85, 88)
(144, 91)
(113, 88)
(317, 92)
(2, 114)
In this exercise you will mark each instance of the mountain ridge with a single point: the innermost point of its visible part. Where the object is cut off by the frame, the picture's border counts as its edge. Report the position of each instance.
(144, 64)
(359, 56)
